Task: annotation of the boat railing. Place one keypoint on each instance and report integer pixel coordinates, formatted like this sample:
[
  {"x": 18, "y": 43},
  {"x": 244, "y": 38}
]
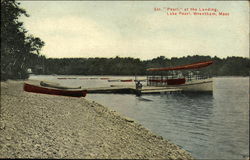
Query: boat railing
[
  {"x": 197, "y": 77},
  {"x": 162, "y": 80}
]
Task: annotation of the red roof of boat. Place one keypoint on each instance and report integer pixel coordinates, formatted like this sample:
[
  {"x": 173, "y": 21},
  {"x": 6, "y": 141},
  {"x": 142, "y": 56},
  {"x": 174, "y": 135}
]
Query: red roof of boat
[{"x": 189, "y": 66}]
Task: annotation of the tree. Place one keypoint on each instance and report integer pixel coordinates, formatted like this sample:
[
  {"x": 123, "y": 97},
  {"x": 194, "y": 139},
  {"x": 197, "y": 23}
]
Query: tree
[{"x": 16, "y": 46}]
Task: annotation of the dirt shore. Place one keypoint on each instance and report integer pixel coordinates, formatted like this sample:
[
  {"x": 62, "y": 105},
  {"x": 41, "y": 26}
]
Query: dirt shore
[{"x": 46, "y": 126}]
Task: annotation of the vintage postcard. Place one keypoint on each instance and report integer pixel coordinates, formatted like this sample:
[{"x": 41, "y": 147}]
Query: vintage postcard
[{"x": 125, "y": 79}]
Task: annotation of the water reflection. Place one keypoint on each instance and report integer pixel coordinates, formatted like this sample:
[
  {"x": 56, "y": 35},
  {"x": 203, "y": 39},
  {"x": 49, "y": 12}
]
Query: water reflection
[
  {"x": 189, "y": 115},
  {"x": 191, "y": 106}
]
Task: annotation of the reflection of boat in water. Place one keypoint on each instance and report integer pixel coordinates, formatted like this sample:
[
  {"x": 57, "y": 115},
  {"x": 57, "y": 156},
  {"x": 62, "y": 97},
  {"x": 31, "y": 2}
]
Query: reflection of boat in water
[
  {"x": 53, "y": 89},
  {"x": 189, "y": 83},
  {"x": 144, "y": 99}
]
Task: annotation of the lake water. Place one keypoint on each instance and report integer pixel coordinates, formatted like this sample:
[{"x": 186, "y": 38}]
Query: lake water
[{"x": 209, "y": 126}]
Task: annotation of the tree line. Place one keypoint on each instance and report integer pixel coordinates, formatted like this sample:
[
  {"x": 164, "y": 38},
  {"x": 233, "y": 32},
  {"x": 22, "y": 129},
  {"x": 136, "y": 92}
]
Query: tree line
[{"x": 230, "y": 66}]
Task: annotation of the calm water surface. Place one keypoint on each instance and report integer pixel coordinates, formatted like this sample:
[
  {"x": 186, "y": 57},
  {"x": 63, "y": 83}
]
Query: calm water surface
[{"x": 209, "y": 126}]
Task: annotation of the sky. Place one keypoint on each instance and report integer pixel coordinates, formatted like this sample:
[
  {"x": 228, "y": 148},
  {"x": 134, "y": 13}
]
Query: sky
[{"x": 139, "y": 29}]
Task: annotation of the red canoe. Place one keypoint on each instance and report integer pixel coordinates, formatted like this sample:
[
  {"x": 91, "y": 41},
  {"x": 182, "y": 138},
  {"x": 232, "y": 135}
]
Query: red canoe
[
  {"x": 127, "y": 80},
  {"x": 53, "y": 91}
]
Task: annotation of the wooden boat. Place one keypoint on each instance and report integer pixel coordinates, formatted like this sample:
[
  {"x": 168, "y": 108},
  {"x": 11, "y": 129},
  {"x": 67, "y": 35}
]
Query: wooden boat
[
  {"x": 113, "y": 80},
  {"x": 64, "y": 91},
  {"x": 126, "y": 80},
  {"x": 186, "y": 84},
  {"x": 56, "y": 85}
]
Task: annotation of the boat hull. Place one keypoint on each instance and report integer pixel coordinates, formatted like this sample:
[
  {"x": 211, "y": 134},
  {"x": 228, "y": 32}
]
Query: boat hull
[
  {"x": 46, "y": 90},
  {"x": 197, "y": 86},
  {"x": 204, "y": 85}
]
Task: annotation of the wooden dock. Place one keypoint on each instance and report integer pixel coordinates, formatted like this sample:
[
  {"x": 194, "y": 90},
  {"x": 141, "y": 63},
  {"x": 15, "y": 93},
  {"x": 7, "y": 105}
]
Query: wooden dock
[{"x": 132, "y": 90}]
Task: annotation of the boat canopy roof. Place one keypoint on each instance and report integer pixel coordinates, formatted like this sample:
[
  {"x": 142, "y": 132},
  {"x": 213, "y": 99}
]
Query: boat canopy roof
[{"x": 189, "y": 66}]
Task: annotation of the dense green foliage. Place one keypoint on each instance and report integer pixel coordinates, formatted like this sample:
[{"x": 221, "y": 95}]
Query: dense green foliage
[
  {"x": 18, "y": 49},
  {"x": 230, "y": 66}
]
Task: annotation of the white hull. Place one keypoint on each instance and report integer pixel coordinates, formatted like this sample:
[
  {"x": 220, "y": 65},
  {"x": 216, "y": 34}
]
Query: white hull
[{"x": 205, "y": 85}]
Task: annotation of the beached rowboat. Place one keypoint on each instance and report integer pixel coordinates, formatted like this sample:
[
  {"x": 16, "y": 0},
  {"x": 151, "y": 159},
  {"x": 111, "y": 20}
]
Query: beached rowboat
[
  {"x": 126, "y": 80},
  {"x": 37, "y": 88}
]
